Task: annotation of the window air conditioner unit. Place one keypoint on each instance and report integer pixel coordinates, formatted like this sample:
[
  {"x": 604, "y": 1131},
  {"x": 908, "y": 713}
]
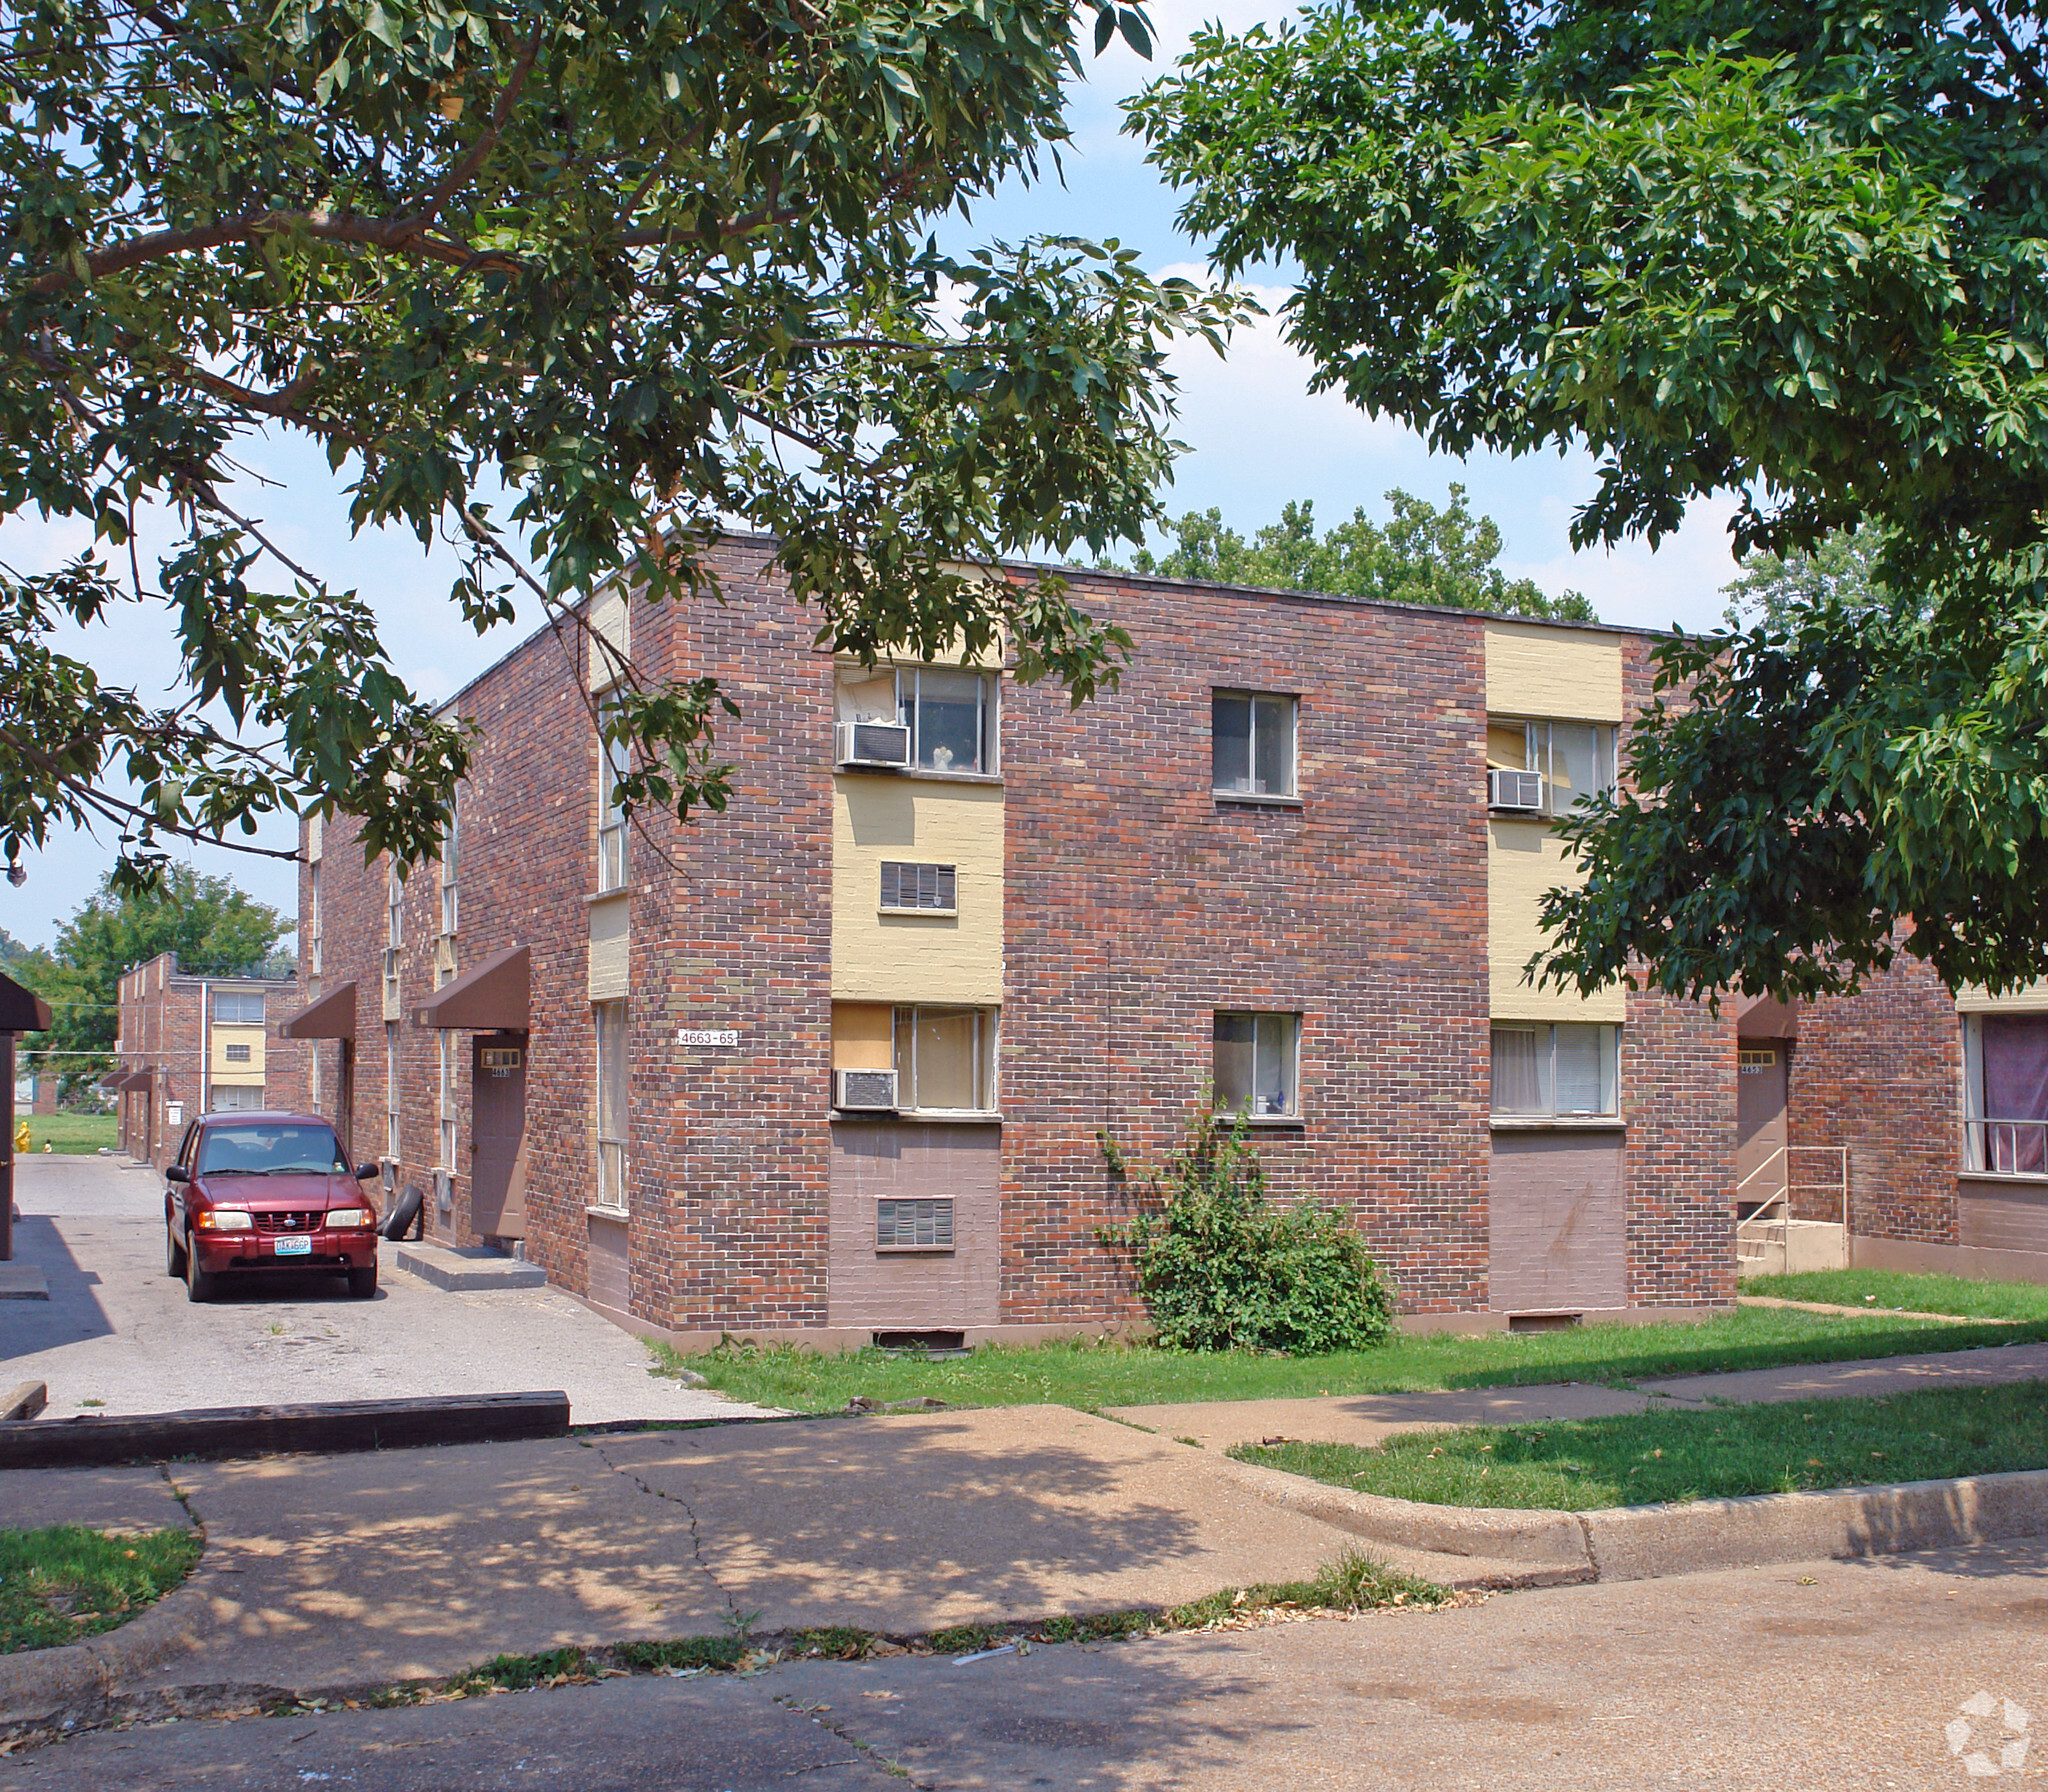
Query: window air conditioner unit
[
  {"x": 874, "y": 743},
  {"x": 1518, "y": 792},
  {"x": 865, "y": 1091}
]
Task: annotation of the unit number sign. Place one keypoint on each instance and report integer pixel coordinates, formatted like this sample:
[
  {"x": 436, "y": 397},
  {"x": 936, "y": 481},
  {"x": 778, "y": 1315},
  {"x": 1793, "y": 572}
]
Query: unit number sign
[
  {"x": 707, "y": 1036},
  {"x": 501, "y": 1060}
]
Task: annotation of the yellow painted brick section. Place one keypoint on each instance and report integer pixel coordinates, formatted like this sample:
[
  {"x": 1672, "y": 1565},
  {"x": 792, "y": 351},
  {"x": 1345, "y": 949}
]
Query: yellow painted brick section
[
  {"x": 222, "y": 1070},
  {"x": 1553, "y": 674},
  {"x": 916, "y": 958},
  {"x": 1523, "y": 860}
]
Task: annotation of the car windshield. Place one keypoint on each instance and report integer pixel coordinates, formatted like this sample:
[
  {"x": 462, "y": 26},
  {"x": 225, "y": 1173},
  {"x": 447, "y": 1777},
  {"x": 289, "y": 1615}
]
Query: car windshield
[{"x": 270, "y": 1148}]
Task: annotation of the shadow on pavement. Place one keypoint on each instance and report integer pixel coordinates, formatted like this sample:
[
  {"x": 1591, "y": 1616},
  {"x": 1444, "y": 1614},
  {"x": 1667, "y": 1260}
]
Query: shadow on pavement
[{"x": 73, "y": 1310}]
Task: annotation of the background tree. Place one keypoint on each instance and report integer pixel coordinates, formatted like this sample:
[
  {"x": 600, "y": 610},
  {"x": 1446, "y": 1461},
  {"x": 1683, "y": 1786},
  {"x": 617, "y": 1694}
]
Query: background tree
[
  {"x": 213, "y": 927},
  {"x": 1789, "y": 252},
  {"x": 645, "y": 267},
  {"x": 1777, "y": 589},
  {"x": 1422, "y": 555},
  {"x": 11, "y": 949}
]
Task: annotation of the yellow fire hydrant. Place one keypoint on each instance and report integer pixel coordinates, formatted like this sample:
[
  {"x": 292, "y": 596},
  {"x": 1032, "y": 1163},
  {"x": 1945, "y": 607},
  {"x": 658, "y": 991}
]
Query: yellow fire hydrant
[{"x": 20, "y": 1137}]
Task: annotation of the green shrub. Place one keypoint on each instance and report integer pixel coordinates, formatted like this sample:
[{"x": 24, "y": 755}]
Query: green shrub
[{"x": 1221, "y": 1268}]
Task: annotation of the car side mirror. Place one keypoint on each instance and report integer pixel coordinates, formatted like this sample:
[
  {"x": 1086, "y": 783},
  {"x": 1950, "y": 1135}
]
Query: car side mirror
[
  {"x": 365, "y": 1171},
  {"x": 177, "y": 1173}
]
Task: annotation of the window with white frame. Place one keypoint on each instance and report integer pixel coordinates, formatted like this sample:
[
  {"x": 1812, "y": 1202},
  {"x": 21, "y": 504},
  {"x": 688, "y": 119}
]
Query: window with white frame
[
  {"x": 450, "y": 848},
  {"x": 1571, "y": 760},
  {"x": 1256, "y": 1065},
  {"x": 1565, "y": 1070},
  {"x": 235, "y": 1054},
  {"x": 1252, "y": 744},
  {"x": 946, "y": 1060},
  {"x": 446, "y": 1160},
  {"x": 315, "y": 937},
  {"x": 394, "y": 929},
  {"x": 935, "y": 718},
  {"x": 612, "y": 1083},
  {"x": 238, "y": 1007},
  {"x": 391, "y": 1090},
  {"x": 614, "y": 760},
  {"x": 2005, "y": 1094},
  {"x": 232, "y": 1098}
]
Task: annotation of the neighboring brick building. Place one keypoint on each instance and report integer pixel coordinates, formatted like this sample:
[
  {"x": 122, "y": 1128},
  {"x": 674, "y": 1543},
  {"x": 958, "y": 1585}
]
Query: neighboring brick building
[
  {"x": 193, "y": 1043},
  {"x": 659, "y": 1061}
]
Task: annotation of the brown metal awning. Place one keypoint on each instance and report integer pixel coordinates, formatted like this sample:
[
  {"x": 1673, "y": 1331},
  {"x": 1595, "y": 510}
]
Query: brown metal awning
[
  {"x": 492, "y": 997},
  {"x": 1765, "y": 1017},
  {"x": 131, "y": 1080},
  {"x": 332, "y": 1016},
  {"x": 21, "y": 1010}
]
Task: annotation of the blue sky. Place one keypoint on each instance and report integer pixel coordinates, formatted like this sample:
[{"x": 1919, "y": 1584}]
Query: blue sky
[{"x": 1256, "y": 435}]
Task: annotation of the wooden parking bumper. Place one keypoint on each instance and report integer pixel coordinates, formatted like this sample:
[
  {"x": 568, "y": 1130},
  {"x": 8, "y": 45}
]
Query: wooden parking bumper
[{"x": 326, "y": 1428}]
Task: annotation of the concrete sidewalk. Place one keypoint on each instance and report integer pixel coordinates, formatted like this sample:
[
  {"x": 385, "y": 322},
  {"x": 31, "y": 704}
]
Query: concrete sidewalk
[
  {"x": 352, "y": 1571},
  {"x": 1370, "y": 1418}
]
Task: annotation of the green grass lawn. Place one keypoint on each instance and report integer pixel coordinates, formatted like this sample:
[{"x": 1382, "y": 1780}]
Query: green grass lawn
[
  {"x": 64, "y": 1583},
  {"x": 1880, "y": 1288},
  {"x": 1092, "y": 1375},
  {"x": 76, "y": 1134},
  {"x": 1581, "y": 1464}
]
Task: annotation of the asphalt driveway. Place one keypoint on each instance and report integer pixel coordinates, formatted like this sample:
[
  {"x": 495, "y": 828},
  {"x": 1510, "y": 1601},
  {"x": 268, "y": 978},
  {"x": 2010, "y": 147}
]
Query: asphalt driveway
[{"x": 118, "y": 1336}]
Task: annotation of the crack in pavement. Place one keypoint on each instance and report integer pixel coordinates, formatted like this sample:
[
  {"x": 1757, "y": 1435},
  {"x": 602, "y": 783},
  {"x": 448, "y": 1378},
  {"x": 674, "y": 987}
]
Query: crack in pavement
[
  {"x": 869, "y": 1754},
  {"x": 737, "y": 1621}
]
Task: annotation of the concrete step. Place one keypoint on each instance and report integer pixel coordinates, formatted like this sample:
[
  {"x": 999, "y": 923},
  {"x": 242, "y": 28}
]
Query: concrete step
[{"x": 467, "y": 1269}]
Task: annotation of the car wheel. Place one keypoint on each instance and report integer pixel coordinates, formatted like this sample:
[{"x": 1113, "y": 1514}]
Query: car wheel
[
  {"x": 199, "y": 1286},
  {"x": 362, "y": 1283},
  {"x": 174, "y": 1254}
]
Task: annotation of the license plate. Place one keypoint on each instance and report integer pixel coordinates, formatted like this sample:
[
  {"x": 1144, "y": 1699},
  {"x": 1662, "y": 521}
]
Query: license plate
[{"x": 292, "y": 1247}]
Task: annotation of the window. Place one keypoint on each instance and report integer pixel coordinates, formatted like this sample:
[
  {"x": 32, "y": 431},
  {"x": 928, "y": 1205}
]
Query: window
[
  {"x": 610, "y": 1018},
  {"x": 917, "y": 886},
  {"x": 236, "y": 1054},
  {"x": 913, "y": 1225},
  {"x": 391, "y": 1090},
  {"x": 313, "y": 924},
  {"x": 1574, "y": 759},
  {"x": 2005, "y": 1093},
  {"x": 238, "y": 1008},
  {"x": 945, "y": 1060},
  {"x": 394, "y": 933},
  {"x": 227, "y": 1098},
  {"x": 1256, "y": 1065},
  {"x": 1569, "y": 1069},
  {"x": 613, "y": 762},
  {"x": 1252, "y": 744},
  {"x": 447, "y": 1103},
  {"x": 450, "y": 845},
  {"x": 949, "y": 714}
]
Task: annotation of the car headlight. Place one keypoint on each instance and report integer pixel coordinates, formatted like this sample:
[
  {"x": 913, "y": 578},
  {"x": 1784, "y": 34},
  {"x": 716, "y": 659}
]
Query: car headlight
[
  {"x": 349, "y": 1216},
  {"x": 223, "y": 1219}
]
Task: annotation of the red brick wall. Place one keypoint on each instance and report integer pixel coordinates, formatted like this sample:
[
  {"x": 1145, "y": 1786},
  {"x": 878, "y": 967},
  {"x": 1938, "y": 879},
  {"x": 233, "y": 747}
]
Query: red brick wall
[
  {"x": 1137, "y": 905},
  {"x": 1678, "y": 1087},
  {"x": 1881, "y": 1072}
]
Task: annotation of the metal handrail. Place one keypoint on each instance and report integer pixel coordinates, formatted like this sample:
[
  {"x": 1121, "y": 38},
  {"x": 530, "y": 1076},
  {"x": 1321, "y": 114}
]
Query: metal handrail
[{"x": 1782, "y": 1197}]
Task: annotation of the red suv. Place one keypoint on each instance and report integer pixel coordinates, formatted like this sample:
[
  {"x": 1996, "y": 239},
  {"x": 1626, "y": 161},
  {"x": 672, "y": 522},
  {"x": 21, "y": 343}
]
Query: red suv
[{"x": 266, "y": 1191}]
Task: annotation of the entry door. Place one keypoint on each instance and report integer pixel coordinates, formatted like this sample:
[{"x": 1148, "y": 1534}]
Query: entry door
[
  {"x": 1760, "y": 1158},
  {"x": 345, "y": 1098},
  {"x": 497, "y": 1136}
]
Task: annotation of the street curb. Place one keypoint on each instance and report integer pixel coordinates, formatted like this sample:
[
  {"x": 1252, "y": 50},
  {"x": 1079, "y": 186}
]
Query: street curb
[
  {"x": 51, "y": 1689},
  {"x": 1624, "y": 1543}
]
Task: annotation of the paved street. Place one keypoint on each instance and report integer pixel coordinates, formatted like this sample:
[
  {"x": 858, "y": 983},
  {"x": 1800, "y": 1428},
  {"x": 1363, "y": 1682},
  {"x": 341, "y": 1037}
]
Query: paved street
[
  {"x": 118, "y": 1333},
  {"x": 1831, "y": 1675}
]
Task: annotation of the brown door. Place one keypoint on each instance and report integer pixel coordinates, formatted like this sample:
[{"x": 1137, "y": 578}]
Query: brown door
[
  {"x": 497, "y": 1136},
  {"x": 345, "y": 1097},
  {"x": 1760, "y": 1086}
]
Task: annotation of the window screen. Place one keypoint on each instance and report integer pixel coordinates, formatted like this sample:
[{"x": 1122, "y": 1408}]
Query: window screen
[
  {"x": 238, "y": 1008},
  {"x": 1253, "y": 744},
  {"x": 917, "y": 886},
  {"x": 237, "y": 1054},
  {"x": 913, "y": 1225},
  {"x": 1255, "y": 1060}
]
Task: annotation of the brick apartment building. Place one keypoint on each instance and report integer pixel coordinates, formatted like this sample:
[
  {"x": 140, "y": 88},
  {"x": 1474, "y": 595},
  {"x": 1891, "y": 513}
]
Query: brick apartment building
[
  {"x": 191, "y": 1044},
  {"x": 841, "y": 1061}
]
